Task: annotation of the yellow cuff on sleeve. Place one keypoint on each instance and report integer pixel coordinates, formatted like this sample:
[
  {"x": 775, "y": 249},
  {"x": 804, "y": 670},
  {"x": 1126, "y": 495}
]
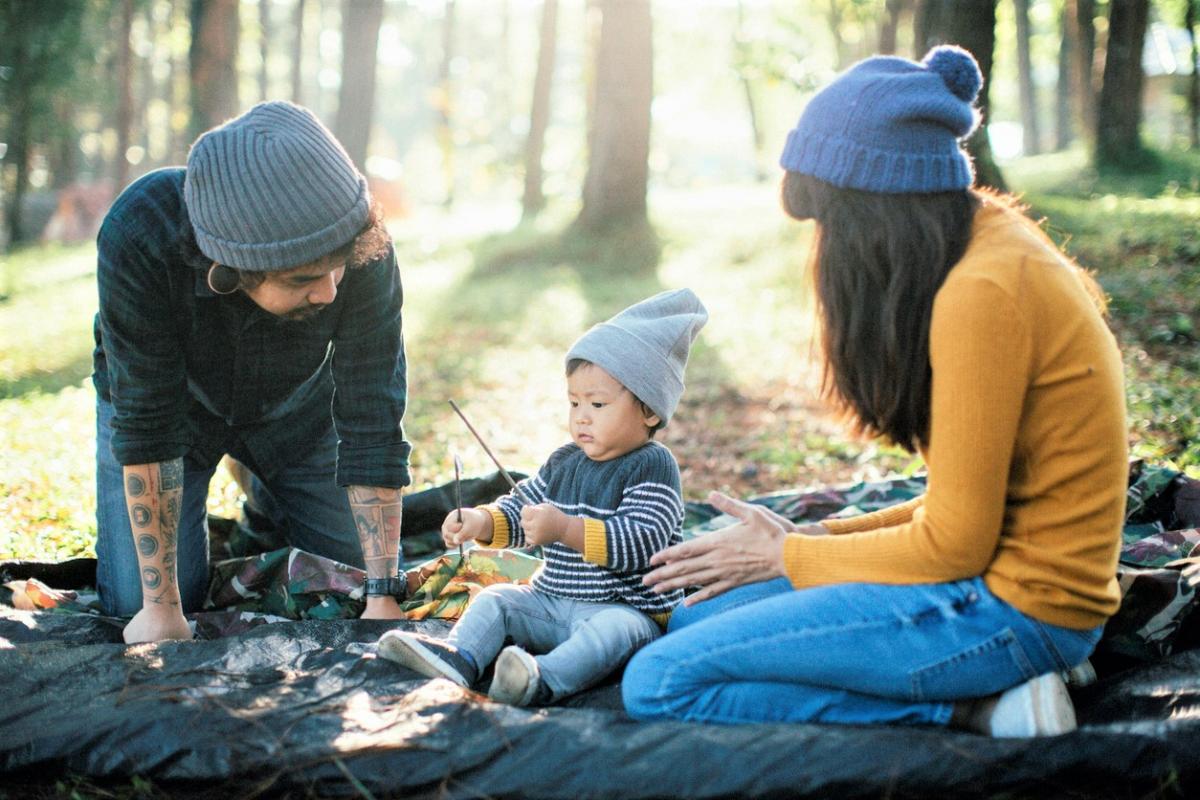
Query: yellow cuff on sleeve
[
  {"x": 501, "y": 535},
  {"x": 595, "y": 542}
]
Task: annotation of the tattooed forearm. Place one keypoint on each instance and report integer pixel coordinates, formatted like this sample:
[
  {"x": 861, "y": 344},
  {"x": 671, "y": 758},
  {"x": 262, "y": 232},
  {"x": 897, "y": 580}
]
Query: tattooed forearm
[
  {"x": 377, "y": 515},
  {"x": 154, "y": 496}
]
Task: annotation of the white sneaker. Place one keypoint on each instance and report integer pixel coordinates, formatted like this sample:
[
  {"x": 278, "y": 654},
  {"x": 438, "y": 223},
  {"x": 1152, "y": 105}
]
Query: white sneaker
[
  {"x": 1082, "y": 674},
  {"x": 516, "y": 677},
  {"x": 1040, "y": 707}
]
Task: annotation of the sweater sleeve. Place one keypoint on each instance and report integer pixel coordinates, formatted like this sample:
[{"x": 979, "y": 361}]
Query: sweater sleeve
[
  {"x": 981, "y": 356},
  {"x": 506, "y": 511},
  {"x": 649, "y": 515},
  {"x": 883, "y": 518}
]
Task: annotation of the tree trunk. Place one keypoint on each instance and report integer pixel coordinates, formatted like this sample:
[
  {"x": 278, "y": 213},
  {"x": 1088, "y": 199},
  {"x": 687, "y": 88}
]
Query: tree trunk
[
  {"x": 1189, "y": 22},
  {"x": 124, "y": 94},
  {"x": 890, "y": 25},
  {"x": 533, "y": 199},
  {"x": 756, "y": 134},
  {"x": 834, "y": 14},
  {"x": 213, "y": 58},
  {"x": 18, "y": 151},
  {"x": 1085, "y": 70},
  {"x": 298, "y": 51},
  {"x": 361, "y": 20},
  {"x": 1063, "y": 130},
  {"x": 442, "y": 104},
  {"x": 64, "y": 146},
  {"x": 970, "y": 24},
  {"x": 1119, "y": 112},
  {"x": 614, "y": 191},
  {"x": 177, "y": 101},
  {"x": 264, "y": 39},
  {"x": 1029, "y": 111}
]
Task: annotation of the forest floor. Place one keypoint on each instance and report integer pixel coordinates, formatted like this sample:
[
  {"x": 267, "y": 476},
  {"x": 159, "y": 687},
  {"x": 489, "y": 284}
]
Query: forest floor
[{"x": 490, "y": 308}]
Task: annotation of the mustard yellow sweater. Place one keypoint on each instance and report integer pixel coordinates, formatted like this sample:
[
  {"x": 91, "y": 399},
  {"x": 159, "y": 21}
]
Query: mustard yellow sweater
[{"x": 1027, "y": 452}]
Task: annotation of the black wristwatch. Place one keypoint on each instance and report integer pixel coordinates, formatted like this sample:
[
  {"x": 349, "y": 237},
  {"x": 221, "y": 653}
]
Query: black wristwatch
[{"x": 396, "y": 587}]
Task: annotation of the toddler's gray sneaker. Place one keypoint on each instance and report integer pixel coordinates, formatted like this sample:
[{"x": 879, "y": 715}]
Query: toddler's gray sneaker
[{"x": 517, "y": 679}]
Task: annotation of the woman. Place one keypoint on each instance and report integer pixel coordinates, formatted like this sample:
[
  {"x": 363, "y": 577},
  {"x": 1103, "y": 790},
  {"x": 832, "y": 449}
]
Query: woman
[{"x": 952, "y": 326}]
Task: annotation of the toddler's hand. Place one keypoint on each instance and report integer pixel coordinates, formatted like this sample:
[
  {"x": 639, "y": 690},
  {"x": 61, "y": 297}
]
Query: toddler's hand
[
  {"x": 476, "y": 524},
  {"x": 543, "y": 523}
]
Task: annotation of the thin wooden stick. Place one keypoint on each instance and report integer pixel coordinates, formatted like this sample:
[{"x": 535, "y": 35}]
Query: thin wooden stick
[
  {"x": 458, "y": 497},
  {"x": 524, "y": 497}
]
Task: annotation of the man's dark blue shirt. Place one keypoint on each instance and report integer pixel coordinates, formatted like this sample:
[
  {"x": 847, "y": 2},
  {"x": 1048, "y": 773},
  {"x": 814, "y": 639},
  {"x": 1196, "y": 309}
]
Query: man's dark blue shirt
[{"x": 197, "y": 374}]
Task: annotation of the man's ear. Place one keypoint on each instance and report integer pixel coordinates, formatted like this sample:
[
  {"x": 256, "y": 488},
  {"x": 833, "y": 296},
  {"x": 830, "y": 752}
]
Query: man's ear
[{"x": 651, "y": 420}]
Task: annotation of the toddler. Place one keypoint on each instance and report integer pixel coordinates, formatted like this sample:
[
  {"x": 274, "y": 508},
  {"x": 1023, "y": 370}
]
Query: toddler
[{"x": 603, "y": 504}]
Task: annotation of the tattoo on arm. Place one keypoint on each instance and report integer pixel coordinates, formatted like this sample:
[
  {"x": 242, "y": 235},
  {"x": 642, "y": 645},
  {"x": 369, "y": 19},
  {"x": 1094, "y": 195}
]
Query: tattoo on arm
[
  {"x": 377, "y": 514},
  {"x": 171, "y": 474},
  {"x": 140, "y": 514},
  {"x": 154, "y": 494}
]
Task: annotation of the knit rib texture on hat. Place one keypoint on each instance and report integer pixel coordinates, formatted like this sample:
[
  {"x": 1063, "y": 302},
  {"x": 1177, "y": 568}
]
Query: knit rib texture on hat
[
  {"x": 273, "y": 189},
  {"x": 646, "y": 347},
  {"x": 891, "y": 125}
]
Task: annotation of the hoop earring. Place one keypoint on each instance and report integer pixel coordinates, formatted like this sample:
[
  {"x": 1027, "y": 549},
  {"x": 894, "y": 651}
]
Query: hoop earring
[{"x": 222, "y": 279}]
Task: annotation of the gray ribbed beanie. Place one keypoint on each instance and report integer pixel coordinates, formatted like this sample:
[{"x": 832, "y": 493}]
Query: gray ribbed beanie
[
  {"x": 272, "y": 189},
  {"x": 646, "y": 346}
]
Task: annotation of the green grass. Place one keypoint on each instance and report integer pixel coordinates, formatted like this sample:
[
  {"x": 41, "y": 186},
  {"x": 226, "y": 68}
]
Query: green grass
[
  {"x": 489, "y": 311},
  {"x": 1138, "y": 232}
]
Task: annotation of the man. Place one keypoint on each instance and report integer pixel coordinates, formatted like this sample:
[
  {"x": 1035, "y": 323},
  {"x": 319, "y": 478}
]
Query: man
[{"x": 241, "y": 299}]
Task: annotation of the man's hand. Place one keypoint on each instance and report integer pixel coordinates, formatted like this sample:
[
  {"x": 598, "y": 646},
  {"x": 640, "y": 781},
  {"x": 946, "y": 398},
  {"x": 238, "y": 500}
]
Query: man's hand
[
  {"x": 155, "y": 623},
  {"x": 476, "y": 525},
  {"x": 382, "y": 607},
  {"x": 543, "y": 524}
]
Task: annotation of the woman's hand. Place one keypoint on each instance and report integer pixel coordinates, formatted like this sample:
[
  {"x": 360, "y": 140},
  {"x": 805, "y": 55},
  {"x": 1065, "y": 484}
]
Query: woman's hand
[{"x": 748, "y": 552}]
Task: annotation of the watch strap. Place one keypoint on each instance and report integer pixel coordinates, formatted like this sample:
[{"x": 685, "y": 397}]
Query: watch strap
[{"x": 396, "y": 586}]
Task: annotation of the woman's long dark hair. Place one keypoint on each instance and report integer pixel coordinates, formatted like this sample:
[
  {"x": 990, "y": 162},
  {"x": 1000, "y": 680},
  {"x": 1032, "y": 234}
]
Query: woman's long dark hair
[{"x": 878, "y": 260}]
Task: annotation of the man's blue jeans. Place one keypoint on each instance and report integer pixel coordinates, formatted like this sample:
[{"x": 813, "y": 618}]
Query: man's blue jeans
[
  {"x": 850, "y": 653},
  {"x": 301, "y": 500}
]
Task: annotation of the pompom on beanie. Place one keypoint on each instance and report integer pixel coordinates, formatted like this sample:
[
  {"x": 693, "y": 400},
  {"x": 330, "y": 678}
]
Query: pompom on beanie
[
  {"x": 891, "y": 125},
  {"x": 273, "y": 189},
  {"x": 646, "y": 347}
]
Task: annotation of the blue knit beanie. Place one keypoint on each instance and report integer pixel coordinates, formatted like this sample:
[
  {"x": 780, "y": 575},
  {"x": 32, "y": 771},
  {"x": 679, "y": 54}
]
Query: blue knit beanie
[
  {"x": 646, "y": 347},
  {"x": 891, "y": 125},
  {"x": 272, "y": 189}
]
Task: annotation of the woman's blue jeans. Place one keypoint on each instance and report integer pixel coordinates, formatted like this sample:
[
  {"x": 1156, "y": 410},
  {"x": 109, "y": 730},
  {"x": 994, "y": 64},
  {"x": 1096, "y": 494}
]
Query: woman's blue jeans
[
  {"x": 849, "y": 653},
  {"x": 302, "y": 501}
]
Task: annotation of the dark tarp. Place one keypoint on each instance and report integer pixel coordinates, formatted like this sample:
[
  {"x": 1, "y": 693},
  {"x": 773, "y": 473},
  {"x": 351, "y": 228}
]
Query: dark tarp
[{"x": 304, "y": 707}]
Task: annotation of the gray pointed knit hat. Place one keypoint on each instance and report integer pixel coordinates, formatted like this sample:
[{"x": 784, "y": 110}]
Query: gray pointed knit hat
[
  {"x": 646, "y": 347},
  {"x": 273, "y": 189}
]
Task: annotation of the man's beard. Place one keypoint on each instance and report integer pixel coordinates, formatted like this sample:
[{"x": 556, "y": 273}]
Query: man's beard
[{"x": 306, "y": 311}]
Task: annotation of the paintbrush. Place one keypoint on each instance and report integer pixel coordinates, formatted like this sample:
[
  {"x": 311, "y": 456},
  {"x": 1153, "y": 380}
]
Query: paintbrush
[
  {"x": 524, "y": 497},
  {"x": 458, "y": 497}
]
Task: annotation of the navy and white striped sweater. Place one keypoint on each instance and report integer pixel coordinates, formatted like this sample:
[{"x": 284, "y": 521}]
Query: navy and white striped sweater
[{"x": 632, "y": 507}]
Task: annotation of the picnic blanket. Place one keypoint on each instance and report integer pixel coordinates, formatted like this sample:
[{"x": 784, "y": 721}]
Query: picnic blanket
[{"x": 281, "y": 690}]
